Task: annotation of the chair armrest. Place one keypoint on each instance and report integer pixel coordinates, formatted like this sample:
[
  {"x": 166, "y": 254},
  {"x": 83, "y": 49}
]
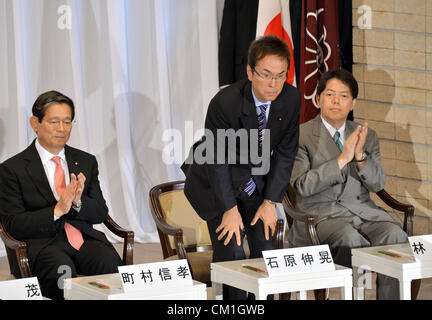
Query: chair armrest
[
  {"x": 177, "y": 233},
  {"x": 308, "y": 220},
  {"x": 407, "y": 209},
  {"x": 279, "y": 233},
  {"x": 291, "y": 212},
  {"x": 179, "y": 244},
  {"x": 165, "y": 229},
  {"x": 20, "y": 249},
  {"x": 394, "y": 204},
  {"x": 169, "y": 230},
  {"x": 9, "y": 241},
  {"x": 298, "y": 215},
  {"x": 127, "y": 235},
  {"x": 116, "y": 229}
]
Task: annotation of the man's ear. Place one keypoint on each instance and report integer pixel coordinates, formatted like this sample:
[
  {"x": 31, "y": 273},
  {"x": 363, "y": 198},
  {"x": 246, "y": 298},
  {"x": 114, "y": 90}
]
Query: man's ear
[
  {"x": 317, "y": 100},
  {"x": 353, "y": 104},
  {"x": 34, "y": 123},
  {"x": 249, "y": 72}
]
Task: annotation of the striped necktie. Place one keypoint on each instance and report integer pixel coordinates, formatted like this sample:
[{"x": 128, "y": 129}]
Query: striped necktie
[
  {"x": 337, "y": 140},
  {"x": 262, "y": 122}
]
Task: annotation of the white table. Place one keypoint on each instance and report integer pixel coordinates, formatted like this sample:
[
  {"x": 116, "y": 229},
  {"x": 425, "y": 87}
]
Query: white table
[
  {"x": 404, "y": 268},
  {"x": 233, "y": 274},
  {"x": 80, "y": 289}
]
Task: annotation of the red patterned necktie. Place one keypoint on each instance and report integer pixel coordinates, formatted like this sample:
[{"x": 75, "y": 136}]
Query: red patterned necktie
[{"x": 74, "y": 236}]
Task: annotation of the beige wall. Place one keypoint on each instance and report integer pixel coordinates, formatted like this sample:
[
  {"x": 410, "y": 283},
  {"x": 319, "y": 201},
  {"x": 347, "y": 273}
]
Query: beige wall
[{"x": 393, "y": 64}]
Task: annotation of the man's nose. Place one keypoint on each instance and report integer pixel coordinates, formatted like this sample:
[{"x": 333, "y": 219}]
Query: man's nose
[
  {"x": 272, "y": 82},
  {"x": 61, "y": 126},
  {"x": 336, "y": 99}
]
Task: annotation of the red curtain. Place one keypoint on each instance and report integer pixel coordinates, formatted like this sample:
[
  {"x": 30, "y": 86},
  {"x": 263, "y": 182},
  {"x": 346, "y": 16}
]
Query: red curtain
[{"x": 319, "y": 50}]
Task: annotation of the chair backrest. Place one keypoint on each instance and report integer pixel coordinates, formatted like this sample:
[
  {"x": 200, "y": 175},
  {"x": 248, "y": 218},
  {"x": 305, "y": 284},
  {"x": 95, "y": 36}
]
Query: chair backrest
[{"x": 170, "y": 205}]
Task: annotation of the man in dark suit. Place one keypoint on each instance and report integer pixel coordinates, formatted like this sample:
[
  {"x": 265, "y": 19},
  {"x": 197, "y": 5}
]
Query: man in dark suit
[
  {"x": 50, "y": 198},
  {"x": 236, "y": 193}
]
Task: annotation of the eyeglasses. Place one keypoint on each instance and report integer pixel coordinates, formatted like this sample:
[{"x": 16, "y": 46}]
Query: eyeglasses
[
  {"x": 270, "y": 77},
  {"x": 56, "y": 123}
]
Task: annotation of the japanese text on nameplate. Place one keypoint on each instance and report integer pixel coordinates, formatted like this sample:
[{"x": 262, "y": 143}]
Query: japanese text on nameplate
[
  {"x": 421, "y": 247},
  {"x": 158, "y": 274},
  {"x": 298, "y": 260},
  {"x": 20, "y": 289}
]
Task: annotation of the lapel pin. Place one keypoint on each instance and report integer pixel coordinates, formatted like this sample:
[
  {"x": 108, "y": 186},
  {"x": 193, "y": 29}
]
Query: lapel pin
[
  {"x": 76, "y": 163},
  {"x": 280, "y": 118}
]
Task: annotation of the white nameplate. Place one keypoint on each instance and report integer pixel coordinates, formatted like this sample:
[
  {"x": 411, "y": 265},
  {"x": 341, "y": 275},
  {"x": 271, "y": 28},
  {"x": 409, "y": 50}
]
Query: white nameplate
[
  {"x": 421, "y": 247},
  {"x": 159, "y": 274},
  {"x": 20, "y": 289},
  {"x": 298, "y": 260}
]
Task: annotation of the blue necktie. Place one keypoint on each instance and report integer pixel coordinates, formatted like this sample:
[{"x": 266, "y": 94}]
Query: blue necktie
[
  {"x": 250, "y": 186},
  {"x": 337, "y": 140}
]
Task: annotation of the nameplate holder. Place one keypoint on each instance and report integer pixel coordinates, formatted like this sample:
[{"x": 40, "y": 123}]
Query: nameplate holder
[
  {"x": 421, "y": 247},
  {"x": 20, "y": 289},
  {"x": 298, "y": 260},
  {"x": 139, "y": 277}
]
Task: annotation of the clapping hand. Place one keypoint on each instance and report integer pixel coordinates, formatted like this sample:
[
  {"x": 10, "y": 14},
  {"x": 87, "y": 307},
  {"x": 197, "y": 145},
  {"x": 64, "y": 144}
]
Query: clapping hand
[
  {"x": 71, "y": 194},
  {"x": 353, "y": 146},
  {"x": 79, "y": 187}
]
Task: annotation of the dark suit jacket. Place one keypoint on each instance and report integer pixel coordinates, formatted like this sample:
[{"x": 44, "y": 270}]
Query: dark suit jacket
[
  {"x": 213, "y": 189},
  {"x": 27, "y": 201}
]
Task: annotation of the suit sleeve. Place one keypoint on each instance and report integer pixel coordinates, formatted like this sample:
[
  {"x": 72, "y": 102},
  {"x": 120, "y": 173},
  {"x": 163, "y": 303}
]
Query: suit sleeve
[
  {"x": 219, "y": 175},
  {"x": 283, "y": 157},
  {"x": 372, "y": 175},
  {"x": 308, "y": 181},
  {"x": 93, "y": 209},
  {"x": 21, "y": 223}
]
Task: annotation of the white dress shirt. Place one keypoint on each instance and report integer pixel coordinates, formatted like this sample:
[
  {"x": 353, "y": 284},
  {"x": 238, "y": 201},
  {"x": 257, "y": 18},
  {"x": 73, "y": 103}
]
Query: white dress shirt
[
  {"x": 258, "y": 103},
  {"x": 332, "y": 130},
  {"x": 50, "y": 166}
]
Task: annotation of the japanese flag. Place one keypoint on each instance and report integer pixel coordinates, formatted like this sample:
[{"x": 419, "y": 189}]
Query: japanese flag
[{"x": 274, "y": 19}]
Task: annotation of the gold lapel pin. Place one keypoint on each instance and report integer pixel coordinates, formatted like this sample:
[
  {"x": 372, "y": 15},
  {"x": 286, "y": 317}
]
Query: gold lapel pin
[{"x": 280, "y": 118}]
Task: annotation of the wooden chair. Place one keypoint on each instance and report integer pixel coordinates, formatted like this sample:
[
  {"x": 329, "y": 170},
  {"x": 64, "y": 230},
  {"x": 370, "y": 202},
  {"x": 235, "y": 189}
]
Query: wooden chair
[
  {"x": 20, "y": 248},
  {"x": 309, "y": 221},
  {"x": 182, "y": 233}
]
